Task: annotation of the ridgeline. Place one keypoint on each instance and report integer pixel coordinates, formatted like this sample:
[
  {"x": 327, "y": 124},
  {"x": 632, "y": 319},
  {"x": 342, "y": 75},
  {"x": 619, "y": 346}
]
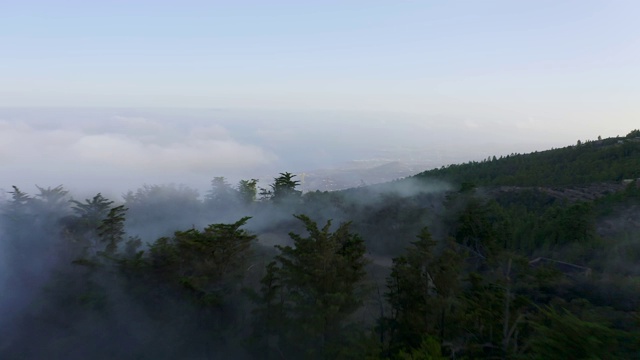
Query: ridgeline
[{"x": 612, "y": 159}]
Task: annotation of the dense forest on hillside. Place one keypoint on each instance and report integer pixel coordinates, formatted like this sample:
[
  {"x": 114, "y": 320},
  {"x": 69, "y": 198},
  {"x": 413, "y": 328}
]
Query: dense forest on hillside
[
  {"x": 612, "y": 159},
  {"x": 532, "y": 256}
]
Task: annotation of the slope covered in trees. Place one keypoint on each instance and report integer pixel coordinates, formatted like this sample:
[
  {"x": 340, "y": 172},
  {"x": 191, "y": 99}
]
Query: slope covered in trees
[
  {"x": 613, "y": 159},
  {"x": 414, "y": 269}
]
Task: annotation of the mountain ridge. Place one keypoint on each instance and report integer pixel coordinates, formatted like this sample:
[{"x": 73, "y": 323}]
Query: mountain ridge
[{"x": 614, "y": 159}]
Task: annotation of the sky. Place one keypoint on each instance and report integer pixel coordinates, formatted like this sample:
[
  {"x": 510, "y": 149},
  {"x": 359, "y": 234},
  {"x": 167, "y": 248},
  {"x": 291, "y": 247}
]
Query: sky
[{"x": 239, "y": 86}]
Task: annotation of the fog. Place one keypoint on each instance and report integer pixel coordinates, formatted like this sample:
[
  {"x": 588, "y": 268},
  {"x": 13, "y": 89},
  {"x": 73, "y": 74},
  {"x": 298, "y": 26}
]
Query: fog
[
  {"x": 115, "y": 150},
  {"x": 57, "y": 308},
  {"x": 67, "y": 296}
]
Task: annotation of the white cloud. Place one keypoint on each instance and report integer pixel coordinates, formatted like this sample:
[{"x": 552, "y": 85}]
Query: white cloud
[
  {"x": 471, "y": 124},
  {"x": 137, "y": 124},
  {"x": 141, "y": 149},
  {"x": 187, "y": 155},
  {"x": 278, "y": 135},
  {"x": 211, "y": 132},
  {"x": 121, "y": 149},
  {"x": 529, "y": 124}
]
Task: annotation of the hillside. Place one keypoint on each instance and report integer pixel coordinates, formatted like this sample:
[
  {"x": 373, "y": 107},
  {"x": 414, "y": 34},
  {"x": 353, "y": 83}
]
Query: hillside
[
  {"x": 496, "y": 259},
  {"x": 599, "y": 161}
]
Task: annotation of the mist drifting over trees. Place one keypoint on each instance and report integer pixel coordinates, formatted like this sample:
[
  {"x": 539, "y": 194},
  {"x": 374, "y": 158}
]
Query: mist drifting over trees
[
  {"x": 319, "y": 180},
  {"x": 425, "y": 267}
]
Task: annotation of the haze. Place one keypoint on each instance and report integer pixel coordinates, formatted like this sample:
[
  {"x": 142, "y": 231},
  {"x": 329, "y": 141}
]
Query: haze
[{"x": 116, "y": 94}]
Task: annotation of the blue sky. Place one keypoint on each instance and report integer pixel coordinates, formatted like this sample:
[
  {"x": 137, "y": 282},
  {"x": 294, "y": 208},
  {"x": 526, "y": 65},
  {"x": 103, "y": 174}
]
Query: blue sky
[
  {"x": 549, "y": 59},
  {"x": 534, "y": 70}
]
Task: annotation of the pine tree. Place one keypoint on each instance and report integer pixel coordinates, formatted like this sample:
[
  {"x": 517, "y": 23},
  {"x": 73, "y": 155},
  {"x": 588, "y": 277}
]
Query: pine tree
[
  {"x": 321, "y": 282},
  {"x": 206, "y": 263},
  {"x": 247, "y": 191},
  {"x": 111, "y": 231},
  {"x": 411, "y": 291},
  {"x": 221, "y": 194},
  {"x": 284, "y": 188},
  {"x": 90, "y": 213}
]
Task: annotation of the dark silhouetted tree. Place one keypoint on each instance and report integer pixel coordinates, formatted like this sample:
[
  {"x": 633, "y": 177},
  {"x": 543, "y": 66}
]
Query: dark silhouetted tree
[
  {"x": 207, "y": 263},
  {"x": 111, "y": 231},
  {"x": 315, "y": 285},
  {"x": 284, "y": 188},
  {"x": 221, "y": 195},
  {"x": 248, "y": 191}
]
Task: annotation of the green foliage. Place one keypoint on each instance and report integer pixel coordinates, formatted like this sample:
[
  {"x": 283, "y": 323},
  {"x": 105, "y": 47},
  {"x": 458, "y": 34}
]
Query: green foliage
[
  {"x": 19, "y": 200},
  {"x": 284, "y": 188},
  {"x": 205, "y": 263},
  {"x": 633, "y": 134},
  {"x": 411, "y": 290},
  {"x": 476, "y": 294},
  {"x": 221, "y": 194},
  {"x": 32, "y": 224},
  {"x": 483, "y": 228},
  {"x": 18, "y": 210},
  {"x": 92, "y": 211},
  {"x": 312, "y": 288},
  {"x": 162, "y": 205},
  {"x": 573, "y": 223},
  {"x": 423, "y": 292},
  {"x": 429, "y": 349},
  {"x": 559, "y": 334},
  {"x": 52, "y": 200},
  {"x": 247, "y": 190},
  {"x": 590, "y": 162},
  {"x": 111, "y": 231},
  {"x": 96, "y": 228}
]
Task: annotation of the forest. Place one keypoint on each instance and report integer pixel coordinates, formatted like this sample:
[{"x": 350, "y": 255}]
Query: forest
[{"x": 525, "y": 256}]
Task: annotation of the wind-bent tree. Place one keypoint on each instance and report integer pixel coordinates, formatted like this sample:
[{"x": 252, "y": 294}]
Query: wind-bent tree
[
  {"x": 52, "y": 200},
  {"x": 19, "y": 202},
  {"x": 91, "y": 212}
]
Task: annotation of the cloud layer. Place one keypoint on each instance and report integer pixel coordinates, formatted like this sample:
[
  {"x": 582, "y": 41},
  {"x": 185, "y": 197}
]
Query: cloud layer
[
  {"x": 135, "y": 148},
  {"x": 113, "y": 150}
]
